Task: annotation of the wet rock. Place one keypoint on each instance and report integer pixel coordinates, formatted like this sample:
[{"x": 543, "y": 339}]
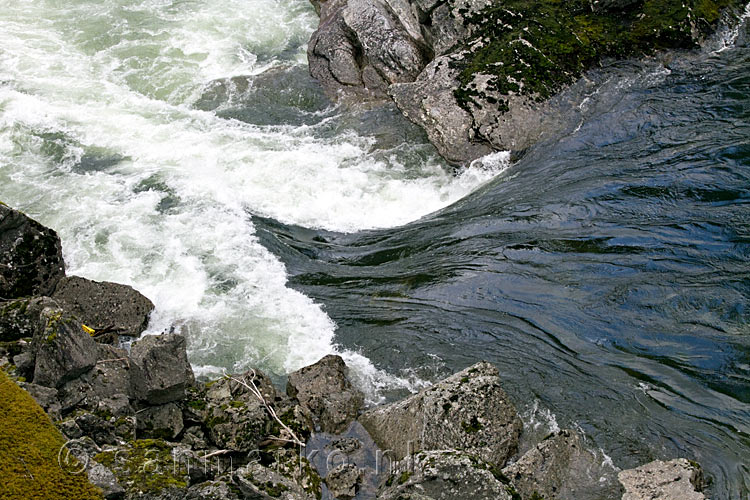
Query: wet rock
[
  {"x": 562, "y": 467},
  {"x": 163, "y": 421},
  {"x": 103, "y": 304},
  {"x": 677, "y": 479},
  {"x": 62, "y": 350},
  {"x": 326, "y": 394},
  {"x": 160, "y": 371},
  {"x": 343, "y": 481},
  {"x": 234, "y": 417},
  {"x": 31, "y": 261},
  {"x": 468, "y": 411},
  {"x": 443, "y": 475}
]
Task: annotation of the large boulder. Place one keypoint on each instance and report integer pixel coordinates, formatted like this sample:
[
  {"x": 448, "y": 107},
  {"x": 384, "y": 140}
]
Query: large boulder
[
  {"x": 468, "y": 411},
  {"x": 159, "y": 370},
  {"x": 562, "y": 467},
  {"x": 63, "y": 351},
  {"x": 103, "y": 304},
  {"x": 31, "y": 260},
  {"x": 108, "y": 379},
  {"x": 19, "y": 318},
  {"x": 444, "y": 475},
  {"x": 326, "y": 394},
  {"x": 677, "y": 479}
]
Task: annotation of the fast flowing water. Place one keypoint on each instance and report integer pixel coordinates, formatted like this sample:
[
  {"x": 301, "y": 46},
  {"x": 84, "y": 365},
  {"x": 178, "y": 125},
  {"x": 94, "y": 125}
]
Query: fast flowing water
[{"x": 180, "y": 147}]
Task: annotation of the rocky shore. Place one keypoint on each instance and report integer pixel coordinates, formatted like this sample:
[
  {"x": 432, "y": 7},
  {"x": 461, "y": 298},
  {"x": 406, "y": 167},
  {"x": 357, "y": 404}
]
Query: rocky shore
[
  {"x": 484, "y": 76},
  {"x": 141, "y": 426}
]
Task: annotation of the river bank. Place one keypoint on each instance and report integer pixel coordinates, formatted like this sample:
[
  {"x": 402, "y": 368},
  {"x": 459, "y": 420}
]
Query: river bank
[{"x": 140, "y": 426}]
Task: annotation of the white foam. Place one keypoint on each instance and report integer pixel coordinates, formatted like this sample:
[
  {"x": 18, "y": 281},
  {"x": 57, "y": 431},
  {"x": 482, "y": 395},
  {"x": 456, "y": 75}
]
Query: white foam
[{"x": 116, "y": 78}]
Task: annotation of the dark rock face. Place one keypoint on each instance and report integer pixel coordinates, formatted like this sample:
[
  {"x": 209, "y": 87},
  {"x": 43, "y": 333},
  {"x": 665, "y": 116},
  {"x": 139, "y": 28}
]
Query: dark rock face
[
  {"x": 103, "y": 304},
  {"x": 468, "y": 411},
  {"x": 343, "y": 481},
  {"x": 444, "y": 475},
  {"x": 325, "y": 393},
  {"x": 163, "y": 421},
  {"x": 677, "y": 479},
  {"x": 62, "y": 350},
  {"x": 562, "y": 468},
  {"x": 160, "y": 371},
  {"x": 31, "y": 261},
  {"x": 478, "y": 75},
  {"x": 20, "y": 318}
]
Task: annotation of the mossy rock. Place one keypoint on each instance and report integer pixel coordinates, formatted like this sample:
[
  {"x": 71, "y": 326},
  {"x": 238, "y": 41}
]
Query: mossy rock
[
  {"x": 30, "y": 447},
  {"x": 536, "y": 48},
  {"x": 144, "y": 465}
]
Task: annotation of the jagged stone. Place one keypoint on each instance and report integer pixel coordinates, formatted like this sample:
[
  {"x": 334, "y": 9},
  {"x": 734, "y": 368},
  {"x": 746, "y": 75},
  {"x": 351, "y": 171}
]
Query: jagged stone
[
  {"x": 103, "y": 304},
  {"x": 256, "y": 481},
  {"x": 468, "y": 411},
  {"x": 562, "y": 467},
  {"x": 326, "y": 394},
  {"x": 443, "y": 475},
  {"x": 677, "y": 479},
  {"x": 62, "y": 350},
  {"x": 343, "y": 481},
  {"x": 31, "y": 261},
  {"x": 109, "y": 378},
  {"x": 163, "y": 421},
  {"x": 160, "y": 371}
]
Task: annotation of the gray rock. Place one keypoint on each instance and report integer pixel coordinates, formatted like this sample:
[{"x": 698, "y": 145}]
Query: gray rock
[
  {"x": 20, "y": 318},
  {"x": 31, "y": 261},
  {"x": 343, "y": 481},
  {"x": 160, "y": 371},
  {"x": 442, "y": 475},
  {"x": 562, "y": 467},
  {"x": 24, "y": 363},
  {"x": 46, "y": 397},
  {"x": 62, "y": 350},
  {"x": 97, "y": 427},
  {"x": 468, "y": 411},
  {"x": 366, "y": 45},
  {"x": 70, "y": 428},
  {"x": 103, "y": 478},
  {"x": 107, "y": 380},
  {"x": 430, "y": 103},
  {"x": 219, "y": 489},
  {"x": 326, "y": 394},
  {"x": 163, "y": 421},
  {"x": 256, "y": 481},
  {"x": 677, "y": 479},
  {"x": 102, "y": 304},
  {"x": 234, "y": 417}
]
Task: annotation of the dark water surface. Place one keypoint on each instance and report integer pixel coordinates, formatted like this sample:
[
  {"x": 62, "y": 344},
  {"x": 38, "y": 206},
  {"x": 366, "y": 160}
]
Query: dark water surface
[{"x": 606, "y": 273}]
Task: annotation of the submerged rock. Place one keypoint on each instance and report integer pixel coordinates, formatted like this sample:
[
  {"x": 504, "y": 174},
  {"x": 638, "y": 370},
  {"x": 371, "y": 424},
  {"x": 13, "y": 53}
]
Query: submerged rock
[
  {"x": 160, "y": 371},
  {"x": 677, "y": 479},
  {"x": 468, "y": 411},
  {"x": 103, "y": 304},
  {"x": 31, "y": 261},
  {"x": 326, "y": 395}
]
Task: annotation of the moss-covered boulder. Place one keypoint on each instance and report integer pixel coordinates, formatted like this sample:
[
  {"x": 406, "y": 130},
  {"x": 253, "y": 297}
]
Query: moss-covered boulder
[
  {"x": 33, "y": 460},
  {"x": 31, "y": 261}
]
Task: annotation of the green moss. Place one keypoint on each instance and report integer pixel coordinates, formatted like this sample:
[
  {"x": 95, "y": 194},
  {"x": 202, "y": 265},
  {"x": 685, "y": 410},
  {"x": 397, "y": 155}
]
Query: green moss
[
  {"x": 536, "y": 48},
  {"x": 536, "y": 496},
  {"x": 472, "y": 426},
  {"x": 514, "y": 495},
  {"x": 197, "y": 404},
  {"x": 29, "y": 451},
  {"x": 236, "y": 404},
  {"x": 404, "y": 477},
  {"x": 144, "y": 465}
]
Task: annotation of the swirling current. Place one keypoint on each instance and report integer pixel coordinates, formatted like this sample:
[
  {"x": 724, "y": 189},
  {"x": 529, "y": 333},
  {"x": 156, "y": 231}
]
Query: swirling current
[{"x": 181, "y": 147}]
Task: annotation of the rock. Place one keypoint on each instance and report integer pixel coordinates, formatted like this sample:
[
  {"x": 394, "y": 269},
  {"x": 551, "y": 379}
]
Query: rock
[
  {"x": 104, "y": 479},
  {"x": 234, "y": 417},
  {"x": 562, "y": 467},
  {"x": 20, "y": 318},
  {"x": 430, "y": 103},
  {"x": 256, "y": 481},
  {"x": 62, "y": 350},
  {"x": 163, "y": 421},
  {"x": 443, "y": 475},
  {"x": 24, "y": 363},
  {"x": 96, "y": 427},
  {"x": 31, "y": 261},
  {"x": 347, "y": 445},
  {"x": 468, "y": 411},
  {"x": 160, "y": 371},
  {"x": 343, "y": 481},
  {"x": 108, "y": 380},
  {"x": 102, "y": 304},
  {"x": 220, "y": 489},
  {"x": 366, "y": 45},
  {"x": 677, "y": 479},
  {"x": 326, "y": 394}
]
